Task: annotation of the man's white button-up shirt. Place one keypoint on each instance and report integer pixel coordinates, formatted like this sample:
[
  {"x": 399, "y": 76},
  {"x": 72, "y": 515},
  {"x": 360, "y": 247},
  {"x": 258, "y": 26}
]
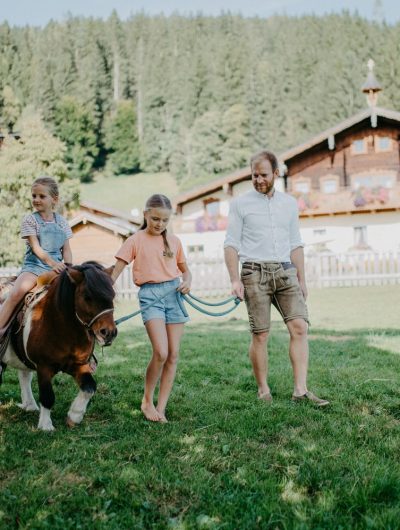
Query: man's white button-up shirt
[{"x": 261, "y": 228}]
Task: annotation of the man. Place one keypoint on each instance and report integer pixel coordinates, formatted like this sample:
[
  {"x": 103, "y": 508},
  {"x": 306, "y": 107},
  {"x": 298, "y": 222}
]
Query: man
[{"x": 263, "y": 233}]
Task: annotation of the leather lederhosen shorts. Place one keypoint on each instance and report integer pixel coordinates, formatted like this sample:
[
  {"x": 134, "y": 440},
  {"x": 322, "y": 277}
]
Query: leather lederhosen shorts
[{"x": 274, "y": 283}]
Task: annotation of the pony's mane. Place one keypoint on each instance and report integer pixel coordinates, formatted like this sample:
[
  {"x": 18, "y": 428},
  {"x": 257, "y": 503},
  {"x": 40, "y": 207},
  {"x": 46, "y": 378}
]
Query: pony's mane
[{"x": 98, "y": 285}]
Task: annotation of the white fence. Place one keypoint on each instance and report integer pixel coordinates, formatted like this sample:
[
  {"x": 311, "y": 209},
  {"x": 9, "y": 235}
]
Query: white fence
[
  {"x": 210, "y": 277},
  {"x": 353, "y": 269}
]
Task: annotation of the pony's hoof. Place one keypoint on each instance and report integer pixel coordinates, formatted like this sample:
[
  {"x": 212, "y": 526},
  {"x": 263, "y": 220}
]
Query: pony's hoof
[
  {"x": 28, "y": 407},
  {"x": 46, "y": 428},
  {"x": 71, "y": 424}
]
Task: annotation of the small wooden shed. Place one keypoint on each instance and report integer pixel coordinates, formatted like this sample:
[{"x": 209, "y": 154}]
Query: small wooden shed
[{"x": 98, "y": 238}]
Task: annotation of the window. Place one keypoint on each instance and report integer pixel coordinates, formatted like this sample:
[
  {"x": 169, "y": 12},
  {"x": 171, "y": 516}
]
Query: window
[
  {"x": 360, "y": 237},
  {"x": 319, "y": 232},
  {"x": 301, "y": 186},
  {"x": 212, "y": 207},
  {"x": 359, "y": 147},
  {"x": 383, "y": 144},
  {"x": 195, "y": 250},
  {"x": 329, "y": 184},
  {"x": 372, "y": 180}
]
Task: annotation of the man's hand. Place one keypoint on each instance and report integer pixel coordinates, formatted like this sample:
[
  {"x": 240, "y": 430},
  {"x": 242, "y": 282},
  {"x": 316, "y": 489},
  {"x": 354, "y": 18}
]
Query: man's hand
[
  {"x": 238, "y": 289},
  {"x": 303, "y": 288}
]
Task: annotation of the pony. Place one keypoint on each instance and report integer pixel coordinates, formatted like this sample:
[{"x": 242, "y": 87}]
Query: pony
[{"x": 57, "y": 333}]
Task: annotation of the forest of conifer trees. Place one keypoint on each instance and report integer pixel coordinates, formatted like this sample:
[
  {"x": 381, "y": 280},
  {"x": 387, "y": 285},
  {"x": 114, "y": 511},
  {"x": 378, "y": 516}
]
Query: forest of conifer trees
[{"x": 190, "y": 95}]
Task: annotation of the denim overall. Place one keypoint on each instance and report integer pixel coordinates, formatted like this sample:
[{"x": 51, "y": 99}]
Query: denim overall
[{"x": 51, "y": 238}]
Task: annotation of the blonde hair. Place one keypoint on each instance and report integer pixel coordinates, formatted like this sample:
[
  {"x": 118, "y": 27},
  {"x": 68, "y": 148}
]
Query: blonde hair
[
  {"x": 159, "y": 201},
  {"x": 51, "y": 185}
]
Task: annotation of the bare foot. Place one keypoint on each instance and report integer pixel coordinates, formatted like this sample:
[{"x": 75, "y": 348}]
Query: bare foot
[
  {"x": 163, "y": 418},
  {"x": 265, "y": 396},
  {"x": 150, "y": 411}
]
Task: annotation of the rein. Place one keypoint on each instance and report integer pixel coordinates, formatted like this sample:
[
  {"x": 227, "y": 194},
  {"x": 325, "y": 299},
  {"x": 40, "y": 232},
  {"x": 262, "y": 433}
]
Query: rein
[
  {"x": 88, "y": 328},
  {"x": 188, "y": 298}
]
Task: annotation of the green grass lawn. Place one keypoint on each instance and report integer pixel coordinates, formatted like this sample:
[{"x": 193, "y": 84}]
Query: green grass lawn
[
  {"x": 225, "y": 460},
  {"x": 125, "y": 192}
]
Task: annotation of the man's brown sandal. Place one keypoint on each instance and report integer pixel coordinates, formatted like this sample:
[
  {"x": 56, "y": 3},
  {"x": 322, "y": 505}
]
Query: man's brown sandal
[{"x": 309, "y": 396}]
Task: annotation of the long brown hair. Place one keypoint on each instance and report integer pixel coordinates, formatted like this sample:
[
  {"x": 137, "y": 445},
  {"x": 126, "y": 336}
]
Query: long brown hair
[{"x": 159, "y": 201}]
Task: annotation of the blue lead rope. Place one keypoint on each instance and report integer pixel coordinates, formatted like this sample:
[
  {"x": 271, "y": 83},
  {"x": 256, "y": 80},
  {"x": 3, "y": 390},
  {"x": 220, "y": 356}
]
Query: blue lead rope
[
  {"x": 236, "y": 301},
  {"x": 180, "y": 297}
]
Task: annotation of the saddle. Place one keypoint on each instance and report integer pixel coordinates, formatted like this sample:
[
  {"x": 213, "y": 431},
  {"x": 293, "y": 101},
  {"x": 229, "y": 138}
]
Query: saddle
[{"x": 42, "y": 284}]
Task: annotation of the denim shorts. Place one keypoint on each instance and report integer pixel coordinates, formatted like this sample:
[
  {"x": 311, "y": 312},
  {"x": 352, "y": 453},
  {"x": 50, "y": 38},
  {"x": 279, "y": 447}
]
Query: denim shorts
[
  {"x": 165, "y": 307},
  {"x": 271, "y": 283}
]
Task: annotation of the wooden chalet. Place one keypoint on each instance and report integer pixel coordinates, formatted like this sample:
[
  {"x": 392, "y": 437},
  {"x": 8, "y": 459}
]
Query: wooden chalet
[
  {"x": 99, "y": 232},
  {"x": 346, "y": 181}
]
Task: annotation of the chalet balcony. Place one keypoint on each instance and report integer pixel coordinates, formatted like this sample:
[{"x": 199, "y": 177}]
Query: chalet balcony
[
  {"x": 312, "y": 204},
  {"x": 203, "y": 223},
  {"x": 346, "y": 200}
]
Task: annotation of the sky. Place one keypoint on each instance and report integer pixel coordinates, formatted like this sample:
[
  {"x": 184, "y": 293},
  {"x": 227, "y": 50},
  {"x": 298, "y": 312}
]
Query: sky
[{"x": 39, "y": 12}]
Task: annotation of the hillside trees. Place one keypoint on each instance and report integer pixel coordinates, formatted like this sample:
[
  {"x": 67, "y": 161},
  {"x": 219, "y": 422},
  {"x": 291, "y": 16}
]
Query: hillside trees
[{"x": 260, "y": 82}]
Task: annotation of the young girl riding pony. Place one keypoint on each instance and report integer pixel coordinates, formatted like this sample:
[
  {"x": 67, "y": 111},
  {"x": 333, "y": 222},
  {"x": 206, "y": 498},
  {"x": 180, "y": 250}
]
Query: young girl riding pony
[
  {"x": 47, "y": 237},
  {"x": 158, "y": 264}
]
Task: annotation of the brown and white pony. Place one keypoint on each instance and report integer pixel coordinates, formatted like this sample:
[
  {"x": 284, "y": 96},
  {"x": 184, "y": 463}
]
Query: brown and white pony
[{"x": 58, "y": 334}]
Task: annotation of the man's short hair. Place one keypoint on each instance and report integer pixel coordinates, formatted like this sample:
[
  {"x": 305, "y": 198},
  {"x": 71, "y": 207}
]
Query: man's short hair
[{"x": 265, "y": 155}]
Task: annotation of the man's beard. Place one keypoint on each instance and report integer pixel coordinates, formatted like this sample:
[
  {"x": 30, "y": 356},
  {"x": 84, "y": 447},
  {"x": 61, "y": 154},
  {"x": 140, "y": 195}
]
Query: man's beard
[{"x": 264, "y": 188}]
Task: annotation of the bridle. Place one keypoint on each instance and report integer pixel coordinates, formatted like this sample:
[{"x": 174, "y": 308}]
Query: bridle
[{"x": 89, "y": 325}]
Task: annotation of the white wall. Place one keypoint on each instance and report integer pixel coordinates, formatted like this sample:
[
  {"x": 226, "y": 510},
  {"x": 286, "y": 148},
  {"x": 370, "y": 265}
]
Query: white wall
[
  {"x": 383, "y": 231},
  {"x": 213, "y": 242}
]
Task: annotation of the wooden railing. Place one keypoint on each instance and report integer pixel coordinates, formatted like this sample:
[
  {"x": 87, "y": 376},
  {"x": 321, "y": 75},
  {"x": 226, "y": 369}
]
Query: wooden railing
[
  {"x": 313, "y": 203},
  {"x": 348, "y": 200}
]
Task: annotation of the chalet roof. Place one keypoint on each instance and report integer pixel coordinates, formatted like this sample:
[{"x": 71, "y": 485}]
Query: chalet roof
[
  {"x": 105, "y": 211},
  {"x": 215, "y": 185},
  {"x": 118, "y": 228},
  {"x": 369, "y": 113},
  {"x": 372, "y": 114}
]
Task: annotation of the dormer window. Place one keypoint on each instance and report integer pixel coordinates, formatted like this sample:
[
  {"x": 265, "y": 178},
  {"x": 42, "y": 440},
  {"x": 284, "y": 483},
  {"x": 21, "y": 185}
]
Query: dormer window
[
  {"x": 359, "y": 147},
  {"x": 383, "y": 144},
  {"x": 329, "y": 184}
]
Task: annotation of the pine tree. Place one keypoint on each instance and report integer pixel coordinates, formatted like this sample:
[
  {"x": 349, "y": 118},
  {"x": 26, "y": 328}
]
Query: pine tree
[
  {"x": 9, "y": 109},
  {"x": 74, "y": 125},
  {"x": 121, "y": 139}
]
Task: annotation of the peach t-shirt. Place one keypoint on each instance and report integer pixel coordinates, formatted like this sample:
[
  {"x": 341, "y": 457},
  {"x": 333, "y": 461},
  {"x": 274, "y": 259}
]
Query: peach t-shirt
[{"x": 147, "y": 253}]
